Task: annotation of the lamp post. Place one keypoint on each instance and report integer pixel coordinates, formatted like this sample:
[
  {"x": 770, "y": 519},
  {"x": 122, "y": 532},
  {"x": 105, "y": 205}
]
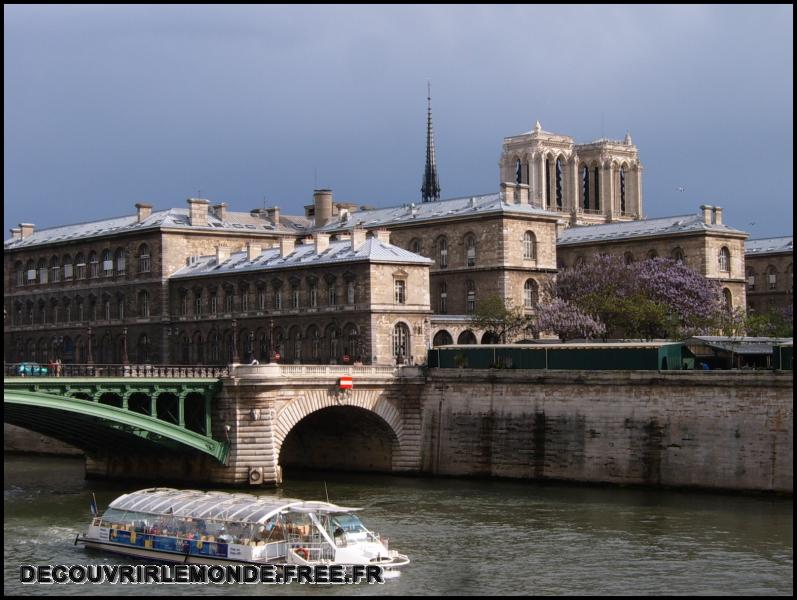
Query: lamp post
[
  {"x": 272, "y": 354},
  {"x": 125, "y": 359},
  {"x": 89, "y": 357},
  {"x": 235, "y": 357},
  {"x": 250, "y": 346}
]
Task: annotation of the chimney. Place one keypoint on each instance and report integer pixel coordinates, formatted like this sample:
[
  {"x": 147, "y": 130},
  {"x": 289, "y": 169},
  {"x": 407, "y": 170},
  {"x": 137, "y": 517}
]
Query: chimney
[
  {"x": 523, "y": 189},
  {"x": 322, "y": 201},
  {"x": 718, "y": 215},
  {"x": 222, "y": 254},
  {"x": 357, "y": 237},
  {"x": 144, "y": 210},
  {"x": 26, "y": 229},
  {"x": 287, "y": 244},
  {"x": 509, "y": 191},
  {"x": 220, "y": 210},
  {"x": 321, "y": 241},
  {"x": 706, "y": 208},
  {"x": 252, "y": 251},
  {"x": 16, "y": 233},
  {"x": 274, "y": 215},
  {"x": 383, "y": 235},
  {"x": 198, "y": 212}
]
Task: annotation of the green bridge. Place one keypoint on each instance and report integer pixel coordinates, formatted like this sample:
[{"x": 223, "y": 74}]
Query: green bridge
[{"x": 135, "y": 414}]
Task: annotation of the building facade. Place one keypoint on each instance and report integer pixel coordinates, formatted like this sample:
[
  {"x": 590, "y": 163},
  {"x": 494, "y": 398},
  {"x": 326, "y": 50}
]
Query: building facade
[
  {"x": 769, "y": 271},
  {"x": 205, "y": 284}
]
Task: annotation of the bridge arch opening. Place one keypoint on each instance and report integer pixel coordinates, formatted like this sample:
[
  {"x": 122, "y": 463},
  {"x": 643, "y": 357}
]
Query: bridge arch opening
[
  {"x": 111, "y": 399},
  {"x": 195, "y": 415},
  {"x": 346, "y": 438},
  {"x": 140, "y": 402},
  {"x": 168, "y": 407}
]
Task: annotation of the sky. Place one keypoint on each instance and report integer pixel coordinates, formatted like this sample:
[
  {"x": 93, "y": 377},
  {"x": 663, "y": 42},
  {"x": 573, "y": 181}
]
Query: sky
[{"x": 106, "y": 106}]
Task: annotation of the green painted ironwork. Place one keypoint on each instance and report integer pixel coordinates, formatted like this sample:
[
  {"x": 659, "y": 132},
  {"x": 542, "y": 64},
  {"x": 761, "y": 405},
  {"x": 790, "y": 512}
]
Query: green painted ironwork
[{"x": 54, "y": 406}]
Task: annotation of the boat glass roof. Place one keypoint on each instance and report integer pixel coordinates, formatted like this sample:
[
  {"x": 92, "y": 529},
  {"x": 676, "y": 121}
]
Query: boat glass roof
[{"x": 219, "y": 506}]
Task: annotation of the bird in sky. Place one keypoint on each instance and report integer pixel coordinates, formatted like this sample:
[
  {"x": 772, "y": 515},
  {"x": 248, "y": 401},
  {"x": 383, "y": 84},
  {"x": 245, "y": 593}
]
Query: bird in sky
[{"x": 681, "y": 189}]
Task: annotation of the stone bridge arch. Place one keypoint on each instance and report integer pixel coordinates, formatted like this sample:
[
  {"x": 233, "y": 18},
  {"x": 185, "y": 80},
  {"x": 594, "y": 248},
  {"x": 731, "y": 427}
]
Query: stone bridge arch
[{"x": 405, "y": 454}]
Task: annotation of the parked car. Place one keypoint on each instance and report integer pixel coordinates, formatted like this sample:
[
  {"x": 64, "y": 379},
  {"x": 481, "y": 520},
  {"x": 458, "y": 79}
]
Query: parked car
[{"x": 31, "y": 368}]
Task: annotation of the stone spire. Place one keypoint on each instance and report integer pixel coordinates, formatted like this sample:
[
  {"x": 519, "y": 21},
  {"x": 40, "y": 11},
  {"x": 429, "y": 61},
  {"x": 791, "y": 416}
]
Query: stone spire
[
  {"x": 430, "y": 191},
  {"x": 537, "y": 127},
  {"x": 627, "y": 141}
]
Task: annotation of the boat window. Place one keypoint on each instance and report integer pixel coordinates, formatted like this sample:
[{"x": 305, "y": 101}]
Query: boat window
[{"x": 349, "y": 523}]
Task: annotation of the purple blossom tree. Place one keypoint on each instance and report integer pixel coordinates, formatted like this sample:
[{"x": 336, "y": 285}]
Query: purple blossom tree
[{"x": 567, "y": 321}]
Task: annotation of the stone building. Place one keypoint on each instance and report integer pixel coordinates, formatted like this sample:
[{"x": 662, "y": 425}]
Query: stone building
[
  {"x": 160, "y": 286},
  {"x": 770, "y": 278},
  {"x": 598, "y": 182},
  {"x": 702, "y": 242}
]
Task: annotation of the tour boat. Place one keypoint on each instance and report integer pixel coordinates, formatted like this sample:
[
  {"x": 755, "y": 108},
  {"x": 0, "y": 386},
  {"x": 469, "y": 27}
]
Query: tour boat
[{"x": 190, "y": 526}]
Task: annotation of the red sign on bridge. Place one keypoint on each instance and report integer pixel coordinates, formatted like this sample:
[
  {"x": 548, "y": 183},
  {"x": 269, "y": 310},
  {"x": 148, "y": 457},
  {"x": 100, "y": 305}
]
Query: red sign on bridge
[{"x": 346, "y": 383}]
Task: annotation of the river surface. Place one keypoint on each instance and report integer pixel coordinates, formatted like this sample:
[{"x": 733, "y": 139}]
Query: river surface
[{"x": 463, "y": 536}]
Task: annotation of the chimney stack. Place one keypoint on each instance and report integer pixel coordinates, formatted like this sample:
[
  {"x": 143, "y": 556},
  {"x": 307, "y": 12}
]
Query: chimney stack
[
  {"x": 252, "y": 251},
  {"x": 706, "y": 208},
  {"x": 321, "y": 241},
  {"x": 718, "y": 215},
  {"x": 383, "y": 235},
  {"x": 220, "y": 211},
  {"x": 198, "y": 212},
  {"x": 274, "y": 215},
  {"x": 222, "y": 254},
  {"x": 144, "y": 210},
  {"x": 357, "y": 237},
  {"x": 16, "y": 233},
  {"x": 322, "y": 201},
  {"x": 26, "y": 229},
  {"x": 287, "y": 244}
]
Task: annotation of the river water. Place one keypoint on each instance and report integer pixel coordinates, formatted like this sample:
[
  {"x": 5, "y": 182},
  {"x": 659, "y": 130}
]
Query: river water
[{"x": 463, "y": 536}]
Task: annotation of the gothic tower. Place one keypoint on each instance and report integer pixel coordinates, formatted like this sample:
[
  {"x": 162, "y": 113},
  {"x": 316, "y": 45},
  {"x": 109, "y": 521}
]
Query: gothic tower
[{"x": 430, "y": 191}]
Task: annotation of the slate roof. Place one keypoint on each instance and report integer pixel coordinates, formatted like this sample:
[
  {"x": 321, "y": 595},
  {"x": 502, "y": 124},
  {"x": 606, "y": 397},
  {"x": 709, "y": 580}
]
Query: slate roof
[
  {"x": 769, "y": 246},
  {"x": 170, "y": 218},
  {"x": 430, "y": 211},
  {"x": 663, "y": 226},
  {"x": 741, "y": 345},
  {"x": 372, "y": 250}
]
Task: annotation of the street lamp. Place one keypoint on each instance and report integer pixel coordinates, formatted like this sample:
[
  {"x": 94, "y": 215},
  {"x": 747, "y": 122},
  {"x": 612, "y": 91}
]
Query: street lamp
[{"x": 89, "y": 357}]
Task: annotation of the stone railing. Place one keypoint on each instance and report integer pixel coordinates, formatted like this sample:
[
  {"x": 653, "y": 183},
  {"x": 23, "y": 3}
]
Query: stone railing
[{"x": 274, "y": 370}]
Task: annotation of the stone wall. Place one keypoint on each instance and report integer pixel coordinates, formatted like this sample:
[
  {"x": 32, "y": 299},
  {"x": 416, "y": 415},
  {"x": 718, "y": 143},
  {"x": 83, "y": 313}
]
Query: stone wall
[{"x": 723, "y": 430}]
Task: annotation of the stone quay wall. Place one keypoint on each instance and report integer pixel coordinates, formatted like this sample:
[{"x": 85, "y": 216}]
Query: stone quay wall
[{"x": 722, "y": 430}]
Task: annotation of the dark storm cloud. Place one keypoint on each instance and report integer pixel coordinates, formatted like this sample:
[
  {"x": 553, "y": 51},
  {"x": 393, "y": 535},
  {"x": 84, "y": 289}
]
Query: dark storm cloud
[{"x": 108, "y": 106}]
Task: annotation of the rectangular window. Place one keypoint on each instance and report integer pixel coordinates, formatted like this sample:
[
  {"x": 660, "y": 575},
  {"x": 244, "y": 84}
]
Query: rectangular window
[
  {"x": 43, "y": 276},
  {"x": 20, "y": 278},
  {"x": 183, "y": 305},
  {"x": 350, "y": 293},
  {"x": 94, "y": 269},
  {"x": 198, "y": 306},
  {"x": 245, "y": 301},
  {"x": 80, "y": 312},
  {"x": 143, "y": 263},
  {"x": 278, "y": 300},
  {"x": 333, "y": 295},
  {"x": 81, "y": 271},
  {"x": 213, "y": 304},
  {"x": 120, "y": 308},
  {"x": 751, "y": 282},
  {"x": 773, "y": 281},
  {"x": 67, "y": 272},
  {"x": 471, "y": 256},
  {"x": 107, "y": 268},
  {"x": 228, "y": 303},
  {"x": 261, "y": 299},
  {"x": 31, "y": 275},
  {"x": 400, "y": 289},
  {"x": 120, "y": 265},
  {"x": 443, "y": 303},
  {"x": 55, "y": 274},
  {"x": 313, "y": 296}
]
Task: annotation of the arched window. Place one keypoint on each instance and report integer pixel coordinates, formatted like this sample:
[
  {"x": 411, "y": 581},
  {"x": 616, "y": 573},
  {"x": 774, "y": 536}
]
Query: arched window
[
  {"x": 466, "y": 337},
  {"x": 443, "y": 298},
  {"x": 214, "y": 343},
  {"x": 42, "y": 271},
  {"x": 529, "y": 246},
  {"x": 55, "y": 269},
  {"x": 725, "y": 260},
  {"x": 442, "y": 338},
  {"x": 143, "y": 259},
  {"x": 470, "y": 250},
  {"x": 106, "y": 308},
  {"x": 94, "y": 265},
  {"x": 415, "y": 246},
  {"x": 121, "y": 262},
  {"x": 628, "y": 257},
  {"x": 585, "y": 186},
  {"x": 261, "y": 298},
  {"x": 442, "y": 252},
  {"x": 622, "y": 191},
  {"x": 143, "y": 304},
  {"x": 214, "y": 302},
  {"x": 229, "y": 300},
  {"x": 772, "y": 278},
  {"x": 518, "y": 171},
  {"x": 530, "y": 293},
  {"x": 401, "y": 342},
  {"x": 198, "y": 302},
  {"x": 728, "y": 299},
  {"x": 312, "y": 294},
  {"x": 350, "y": 292},
  {"x": 678, "y": 255},
  {"x": 80, "y": 266},
  {"x": 107, "y": 263},
  {"x": 559, "y": 192},
  {"x": 315, "y": 343},
  {"x": 332, "y": 294},
  {"x": 68, "y": 268},
  {"x": 750, "y": 278},
  {"x": 470, "y": 296},
  {"x": 120, "y": 306},
  {"x": 652, "y": 254},
  {"x": 597, "y": 180}
]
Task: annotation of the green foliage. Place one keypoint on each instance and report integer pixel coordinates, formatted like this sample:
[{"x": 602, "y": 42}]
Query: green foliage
[{"x": 502, "y": 319}]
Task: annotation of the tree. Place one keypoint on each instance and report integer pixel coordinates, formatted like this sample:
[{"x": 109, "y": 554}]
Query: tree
[
  {"x": 657, "y": 297},
  {"x": 502, "y": 319},
  {"x": 566, "y": 321}
]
